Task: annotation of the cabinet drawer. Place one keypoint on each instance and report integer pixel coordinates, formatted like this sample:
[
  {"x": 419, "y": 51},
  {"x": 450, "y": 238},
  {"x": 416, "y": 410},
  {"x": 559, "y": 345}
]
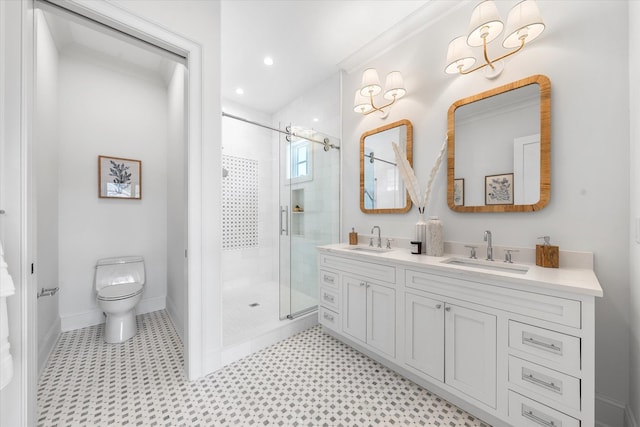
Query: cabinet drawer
[
  {"x": 328, "y": 278},
  {"x": 369, "y": 270},
  {"x": 329, "y": 298},
  {"x": 329, "y": 318},
  {"x": 550, "y": 308},
  {"x": 560, "y": 349},
  {"x": 542, "y": 381},
  {"x": 525, "y": 412}
]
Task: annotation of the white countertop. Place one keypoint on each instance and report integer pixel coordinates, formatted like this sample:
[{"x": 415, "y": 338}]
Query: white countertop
[{"x": 576, "y": 280}]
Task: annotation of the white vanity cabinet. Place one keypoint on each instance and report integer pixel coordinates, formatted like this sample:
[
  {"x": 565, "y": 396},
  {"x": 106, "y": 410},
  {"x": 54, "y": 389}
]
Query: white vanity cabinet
[
  {"x": 369, "y": 313},
  {"x": 453, "y": 344},
  {"x": 470, "y": 352},
  {"x": 515, "y": 349}
]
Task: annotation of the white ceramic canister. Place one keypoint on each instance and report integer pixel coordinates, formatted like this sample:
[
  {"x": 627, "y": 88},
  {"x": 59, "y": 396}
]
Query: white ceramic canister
[{"x": 435, "y": 237}]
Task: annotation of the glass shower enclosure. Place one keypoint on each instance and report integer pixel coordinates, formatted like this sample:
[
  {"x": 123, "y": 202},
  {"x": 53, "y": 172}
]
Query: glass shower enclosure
[{"x": 309, "y": 213}]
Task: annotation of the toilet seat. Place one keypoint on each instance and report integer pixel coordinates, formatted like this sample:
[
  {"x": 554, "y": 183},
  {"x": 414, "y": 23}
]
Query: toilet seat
[{"x": 118, "y": 292}]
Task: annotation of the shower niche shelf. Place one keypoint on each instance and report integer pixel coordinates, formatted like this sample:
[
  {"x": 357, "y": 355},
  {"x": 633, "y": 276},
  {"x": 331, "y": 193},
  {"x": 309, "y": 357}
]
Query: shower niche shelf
[{"x": 297, "y": 212}]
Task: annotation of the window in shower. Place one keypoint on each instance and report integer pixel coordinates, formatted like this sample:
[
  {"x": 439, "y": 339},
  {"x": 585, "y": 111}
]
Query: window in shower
[{"x": 299, "y": 162}]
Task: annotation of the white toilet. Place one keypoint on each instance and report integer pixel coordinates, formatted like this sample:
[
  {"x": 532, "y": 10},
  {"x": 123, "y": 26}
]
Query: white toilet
[{"x": 119, "y": 284}]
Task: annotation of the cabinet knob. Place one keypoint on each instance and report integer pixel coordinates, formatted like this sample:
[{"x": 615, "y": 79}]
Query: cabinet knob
[
  {"x": 447, "y": 309},
  {"x": 438, "y": 306},
  {"x": 361, "y": 283}
]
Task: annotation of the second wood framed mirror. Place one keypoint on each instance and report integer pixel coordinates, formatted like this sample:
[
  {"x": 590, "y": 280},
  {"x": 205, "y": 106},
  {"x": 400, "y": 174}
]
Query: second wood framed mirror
[
  {"x": 381, "y": 187},
  {"x": 499, "y": 149}
]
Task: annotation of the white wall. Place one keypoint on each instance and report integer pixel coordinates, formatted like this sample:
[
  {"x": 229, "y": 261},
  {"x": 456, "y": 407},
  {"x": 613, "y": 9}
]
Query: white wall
[
  {"x": 589, "y": 203},
  {"x": 46, "y": 187},
  {"x": 258, "y": 265},
  {"x": 176, "y": 200},
  {"x": 107, "y": 108},
  {"x": 634, "y": 249}
]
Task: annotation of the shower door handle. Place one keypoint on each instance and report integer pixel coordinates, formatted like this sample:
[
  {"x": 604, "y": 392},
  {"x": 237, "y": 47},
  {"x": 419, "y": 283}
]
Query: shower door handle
[{"x": 284, "y": 211}]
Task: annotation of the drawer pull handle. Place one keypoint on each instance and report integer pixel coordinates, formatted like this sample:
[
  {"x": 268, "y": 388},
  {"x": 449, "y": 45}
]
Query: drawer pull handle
[
  {"x": 528, "y": 376},
  {"x": 536, "y": 417},
  {"x": 329, "y": 298},
  {"x": 328, "y": 317},
  {"x": 533, "y": 340},
  {"x": 328, "y": 279}
]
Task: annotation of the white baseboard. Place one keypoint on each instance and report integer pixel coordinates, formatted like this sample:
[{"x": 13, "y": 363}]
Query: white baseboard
[
  {"x": 609, "y": 412},
  {"x": 630, "y": 419},
  {"x": 176, "y": 318},
  {"x": 93, "y": 317},
  {"x": 48, "y": 343}
]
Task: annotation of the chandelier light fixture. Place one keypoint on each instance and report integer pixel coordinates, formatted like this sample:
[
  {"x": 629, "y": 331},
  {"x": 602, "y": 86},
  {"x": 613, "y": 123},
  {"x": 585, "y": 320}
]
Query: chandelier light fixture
[
  {"x": 524, "y": 24},
  {"x": 364, "y": 101}
]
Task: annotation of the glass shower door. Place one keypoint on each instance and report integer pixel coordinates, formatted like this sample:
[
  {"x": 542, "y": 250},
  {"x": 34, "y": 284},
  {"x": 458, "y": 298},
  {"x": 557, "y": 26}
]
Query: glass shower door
[{"x": 309, "y": 213}]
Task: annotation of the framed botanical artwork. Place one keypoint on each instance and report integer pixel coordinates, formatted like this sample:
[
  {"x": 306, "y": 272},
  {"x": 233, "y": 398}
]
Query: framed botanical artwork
[
  {"x": 498, "y": 189},
  {"x": 458, "y": 192},
  {"x": 119, "y": 178}
]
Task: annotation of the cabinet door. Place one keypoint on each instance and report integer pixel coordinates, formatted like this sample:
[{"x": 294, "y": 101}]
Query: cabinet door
[
  {"x": 424, "y": 335},
  {"x": 381, "y": 318},
  {"x": 470, "y": 348},
  {"x": 354, "y": 307}
]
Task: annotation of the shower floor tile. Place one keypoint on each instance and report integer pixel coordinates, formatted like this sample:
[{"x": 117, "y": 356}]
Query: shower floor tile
[
  {"x": 309, "y": 379},
  {"x": 241, "y": 320}
]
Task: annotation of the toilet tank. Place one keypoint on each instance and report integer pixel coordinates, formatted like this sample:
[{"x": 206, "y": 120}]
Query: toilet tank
[{"x": 116, "y": 271}]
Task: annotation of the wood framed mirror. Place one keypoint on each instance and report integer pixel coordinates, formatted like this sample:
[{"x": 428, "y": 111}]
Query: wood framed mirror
[
  {"x": 499, "y": 149},
  {"x": 381, "y": 187}
]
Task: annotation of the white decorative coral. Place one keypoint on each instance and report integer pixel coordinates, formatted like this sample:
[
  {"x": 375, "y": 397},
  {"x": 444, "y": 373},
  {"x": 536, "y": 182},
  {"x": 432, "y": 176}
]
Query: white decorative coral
[{"x": 410, "y": 179}]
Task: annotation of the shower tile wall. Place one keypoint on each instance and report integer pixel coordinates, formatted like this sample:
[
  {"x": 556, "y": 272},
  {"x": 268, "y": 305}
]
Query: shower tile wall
[
  {"x": 252, "y": 263},
  {"x": 240, "y": 211}
]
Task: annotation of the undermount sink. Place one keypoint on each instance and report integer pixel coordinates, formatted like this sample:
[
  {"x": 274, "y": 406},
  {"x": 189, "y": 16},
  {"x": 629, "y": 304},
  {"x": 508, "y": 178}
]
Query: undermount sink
[
  {"x": 369, "y": 249},
  {"x": 488, "y": 265}
]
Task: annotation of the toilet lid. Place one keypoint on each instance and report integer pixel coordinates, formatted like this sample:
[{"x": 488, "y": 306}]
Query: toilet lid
[{"x": 122, "y": 291}]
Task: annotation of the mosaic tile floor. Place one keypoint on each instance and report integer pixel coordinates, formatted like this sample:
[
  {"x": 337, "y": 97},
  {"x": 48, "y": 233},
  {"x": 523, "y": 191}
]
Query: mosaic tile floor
[{"x": 310, "y": 379}]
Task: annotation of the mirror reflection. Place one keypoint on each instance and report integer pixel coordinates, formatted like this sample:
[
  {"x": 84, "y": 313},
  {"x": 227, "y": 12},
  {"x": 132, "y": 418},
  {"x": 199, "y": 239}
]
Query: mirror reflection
[
  {"x": 499, "y": 149},
  {"x": 381, "y": 187}
]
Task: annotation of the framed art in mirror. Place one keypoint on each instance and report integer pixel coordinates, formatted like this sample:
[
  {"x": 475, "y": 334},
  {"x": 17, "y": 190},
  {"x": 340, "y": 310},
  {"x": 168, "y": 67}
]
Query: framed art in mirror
[
  {"x": 382, "y": 189},
  {"x": 499, "y": 149}
]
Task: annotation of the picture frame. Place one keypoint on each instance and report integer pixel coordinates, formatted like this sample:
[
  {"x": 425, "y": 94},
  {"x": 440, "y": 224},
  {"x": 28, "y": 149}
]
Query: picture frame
[
  {"x": 119, "y": 178},
  {"x": 458, "y": 192},
  {"x": 498, "y": 189}
]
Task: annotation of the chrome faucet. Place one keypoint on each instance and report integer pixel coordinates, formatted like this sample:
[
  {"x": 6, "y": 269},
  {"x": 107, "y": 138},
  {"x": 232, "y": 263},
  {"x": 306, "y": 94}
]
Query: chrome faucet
[
  {"x": 487, "y": 238},
  {"x": 379, "y": 238}
]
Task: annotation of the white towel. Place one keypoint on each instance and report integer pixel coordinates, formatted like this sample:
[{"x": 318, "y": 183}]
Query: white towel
[
  {"x": 7, "y": 288},
  {"x": 6, "y": 282}
]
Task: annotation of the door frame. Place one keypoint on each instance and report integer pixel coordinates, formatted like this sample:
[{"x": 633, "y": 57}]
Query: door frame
[{"x": 124, "y": 21}]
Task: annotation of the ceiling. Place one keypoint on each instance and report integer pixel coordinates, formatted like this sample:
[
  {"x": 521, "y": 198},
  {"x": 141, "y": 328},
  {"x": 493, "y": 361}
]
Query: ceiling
[{"x": 307, "y": 39}]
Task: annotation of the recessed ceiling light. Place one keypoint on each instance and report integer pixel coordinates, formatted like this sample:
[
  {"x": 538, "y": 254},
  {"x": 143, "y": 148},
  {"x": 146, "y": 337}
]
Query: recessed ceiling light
[
  {"x": 268, "y": 60},
  {"x": 315, "y": 119},
  {"x": 240, "y": 91}
]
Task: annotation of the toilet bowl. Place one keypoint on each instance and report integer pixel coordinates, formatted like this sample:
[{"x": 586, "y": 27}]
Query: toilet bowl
[{"x": 119, "y": 283}]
